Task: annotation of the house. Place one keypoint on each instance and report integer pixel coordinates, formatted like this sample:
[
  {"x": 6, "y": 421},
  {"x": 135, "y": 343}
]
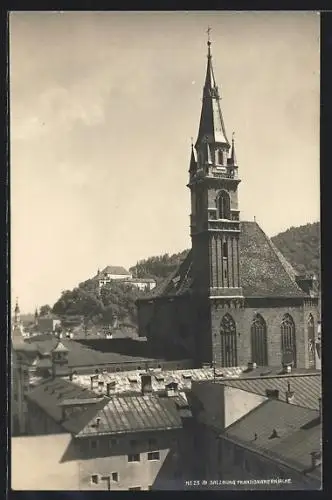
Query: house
[
  {"x": 259, "y": 431},
  {"x": 48, "y": 324},
  {"x": 234, "y": 299},
  {"x": 120, "y": 274},
  {"x": 123, "y": 442}
]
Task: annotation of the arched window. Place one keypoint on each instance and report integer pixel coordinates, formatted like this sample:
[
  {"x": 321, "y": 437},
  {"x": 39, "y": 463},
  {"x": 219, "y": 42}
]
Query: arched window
[
  {"x": 228, "y": 341},
  {"x": 224, "y": 249},
  {"x": 288, "y": 340},
  {"x": 311, "y": 340},
  {"x": 259, "y": 341},
  {"x": 223, "y": 204}
]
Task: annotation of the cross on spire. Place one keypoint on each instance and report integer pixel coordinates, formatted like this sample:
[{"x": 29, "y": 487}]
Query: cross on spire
[{"x": 208, "y": 31}]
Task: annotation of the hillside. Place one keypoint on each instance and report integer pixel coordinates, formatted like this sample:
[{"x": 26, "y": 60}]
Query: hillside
[
  {"x": 300, "y": 245},
  {"x": 158, "y": 267}
]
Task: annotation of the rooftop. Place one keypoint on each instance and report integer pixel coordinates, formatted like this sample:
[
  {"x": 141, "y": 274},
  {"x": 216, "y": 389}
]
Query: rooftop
[
  {"x": 115, "y": 270},
  {"x": 282, "y": 430},
  {"x": 307, "y": 387},
  {"x": 264, "y": 270},
  {"x": 133, "y": 414},
  {"x": 98, "y": 353},
  {"x": 51, "y": 393},
  {"x": 116, "y": 415},
  {"x": 130, "y": 382}
]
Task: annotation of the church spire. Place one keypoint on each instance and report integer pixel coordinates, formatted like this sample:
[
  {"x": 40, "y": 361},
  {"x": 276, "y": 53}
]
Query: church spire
[
  {"x": 17, "y": 313},
  {"x": 211, "y": 127}
]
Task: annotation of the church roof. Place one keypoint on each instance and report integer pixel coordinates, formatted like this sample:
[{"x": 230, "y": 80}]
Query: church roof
[{"x": 264, "y": 270}]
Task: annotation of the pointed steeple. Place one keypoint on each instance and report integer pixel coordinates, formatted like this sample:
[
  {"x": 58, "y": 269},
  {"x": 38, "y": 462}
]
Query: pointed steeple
[
  {"x": 17, "y": 309},
  {"x": 17, "y": 315},
  {"x": 193, "y": 163},
  {"x": 211, "y": 127},
  {"x": 233, "y": 160}
]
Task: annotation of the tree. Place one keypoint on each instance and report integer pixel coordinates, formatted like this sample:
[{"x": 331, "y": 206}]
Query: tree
[{"x": 45, "y": 310}]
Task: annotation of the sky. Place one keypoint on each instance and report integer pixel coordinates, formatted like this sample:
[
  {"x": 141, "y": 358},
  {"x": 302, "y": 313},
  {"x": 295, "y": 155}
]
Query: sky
[{"x": 103, "y": 106}]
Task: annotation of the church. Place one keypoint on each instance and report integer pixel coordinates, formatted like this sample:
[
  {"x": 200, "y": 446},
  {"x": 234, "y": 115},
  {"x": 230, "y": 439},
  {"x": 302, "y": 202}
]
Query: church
[{"x": 234, "y": 299}]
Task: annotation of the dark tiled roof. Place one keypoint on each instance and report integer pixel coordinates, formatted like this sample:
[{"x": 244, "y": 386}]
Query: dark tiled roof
[
  {"x": 298, "y": 432},
  {"x": 115, "y": 270},
  {"x": 81, "y": 355},
  {"x": 307, "y": 388},
  {"x": 133, "y": 414},
  {"x": 264, "y": 270},
  {"x": 178, "y": 283},
  {"x": 48, "y": 395}
]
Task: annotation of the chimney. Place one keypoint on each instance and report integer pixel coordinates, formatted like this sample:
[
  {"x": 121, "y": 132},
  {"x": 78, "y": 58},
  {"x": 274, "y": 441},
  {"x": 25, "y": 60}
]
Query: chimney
[
  {"x": 251, "y": 365},
  {"x": 109, "y": 387},
  {"x": 316, "y": 459},
  {"x": 92, "y": 379},
  {"x": 289, "y": 394},
  {"x": 171, "y": 389},
  {"x": 146, "y": 383}
]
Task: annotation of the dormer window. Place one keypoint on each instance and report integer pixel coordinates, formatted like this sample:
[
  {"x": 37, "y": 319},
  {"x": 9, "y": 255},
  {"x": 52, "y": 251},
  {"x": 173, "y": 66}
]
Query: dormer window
[{"x": 220, "y": 157}]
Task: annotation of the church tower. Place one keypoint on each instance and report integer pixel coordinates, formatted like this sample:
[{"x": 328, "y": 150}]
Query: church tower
[
  {"x": 215, "y": 215},
  {"x": 17, "y": 314}
]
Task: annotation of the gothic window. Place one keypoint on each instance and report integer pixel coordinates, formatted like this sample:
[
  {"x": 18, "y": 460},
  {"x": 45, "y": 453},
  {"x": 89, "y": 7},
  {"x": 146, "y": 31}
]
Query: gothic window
[
  {"x": 311, "y": 340},
  {"x": 220, "y": 157},
  {"x": 223, "y": 203},
  {"x": 228, "y": 341},
  {"x": 224, "y": 249},
  {"x": 288, "y": 340},
  {"x": 259, "y": 341}
]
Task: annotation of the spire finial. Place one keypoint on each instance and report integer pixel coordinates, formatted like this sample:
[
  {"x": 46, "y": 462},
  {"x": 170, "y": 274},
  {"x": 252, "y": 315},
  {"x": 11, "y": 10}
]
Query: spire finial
[
  {"x": 233, "y": 136},
  {"x": 192, "y": 141},
  {"x": 208, "y": 31},
  {"x": 208, "y": 34}
]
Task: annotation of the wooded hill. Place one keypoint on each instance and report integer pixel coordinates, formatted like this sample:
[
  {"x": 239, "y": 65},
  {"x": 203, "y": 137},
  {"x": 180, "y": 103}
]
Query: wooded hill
[{"x": 300, "y": 246}]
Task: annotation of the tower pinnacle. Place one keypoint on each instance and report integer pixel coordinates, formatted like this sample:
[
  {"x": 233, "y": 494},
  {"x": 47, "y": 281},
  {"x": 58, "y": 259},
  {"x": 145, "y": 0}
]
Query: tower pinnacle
[{"x": 233, "y": 154}]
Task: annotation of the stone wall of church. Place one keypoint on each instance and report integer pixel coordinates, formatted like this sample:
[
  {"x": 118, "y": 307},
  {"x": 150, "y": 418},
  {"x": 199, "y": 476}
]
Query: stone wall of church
[
  {"x": 193, "y": 326},
  {"x": 169, "y": 325},
  {"x": 243, "y": 317}
]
